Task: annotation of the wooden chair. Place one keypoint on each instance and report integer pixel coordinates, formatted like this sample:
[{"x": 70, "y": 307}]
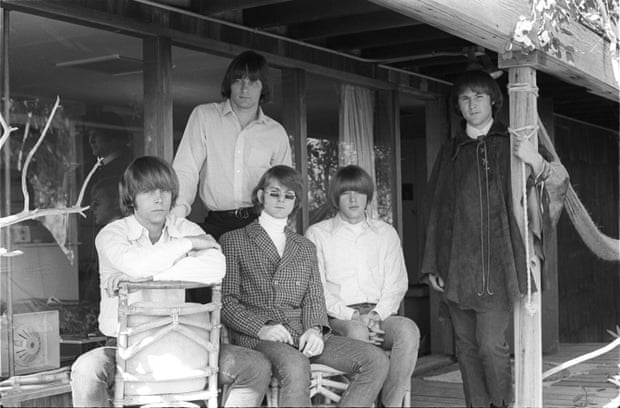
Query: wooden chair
[
  {"x": 326, "y": 386},
  {"x": 167, "y": 355}
]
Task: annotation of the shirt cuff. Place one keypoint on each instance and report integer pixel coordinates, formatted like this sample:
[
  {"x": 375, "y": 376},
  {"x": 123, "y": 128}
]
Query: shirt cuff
[
  {"x": 383, "y": 314},
  {"x": 350, "y": 311},
  {"x": 544, "y": 172}
]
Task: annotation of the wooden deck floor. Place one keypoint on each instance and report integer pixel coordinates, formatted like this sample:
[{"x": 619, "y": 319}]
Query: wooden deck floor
[{"x": 583, "y": 385}]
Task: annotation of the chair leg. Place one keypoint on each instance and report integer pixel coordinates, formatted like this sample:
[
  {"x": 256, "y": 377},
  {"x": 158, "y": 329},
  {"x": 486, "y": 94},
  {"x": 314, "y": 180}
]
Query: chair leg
[{"x": 272, "y": 394}]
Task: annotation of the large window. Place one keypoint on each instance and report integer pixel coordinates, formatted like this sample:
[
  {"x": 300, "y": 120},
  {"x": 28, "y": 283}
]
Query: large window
[
  {"x": 345, "y": 126},
  {"x": 97, "y": 76}
]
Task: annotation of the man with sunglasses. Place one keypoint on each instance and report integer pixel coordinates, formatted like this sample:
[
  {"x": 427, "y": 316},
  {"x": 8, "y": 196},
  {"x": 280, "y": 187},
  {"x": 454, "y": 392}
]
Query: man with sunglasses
[{"x": 227, "y": 146}]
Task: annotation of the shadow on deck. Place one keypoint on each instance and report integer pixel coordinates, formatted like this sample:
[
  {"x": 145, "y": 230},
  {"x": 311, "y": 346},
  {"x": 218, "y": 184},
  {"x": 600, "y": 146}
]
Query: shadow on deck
[{"x": 437, "y": 382}]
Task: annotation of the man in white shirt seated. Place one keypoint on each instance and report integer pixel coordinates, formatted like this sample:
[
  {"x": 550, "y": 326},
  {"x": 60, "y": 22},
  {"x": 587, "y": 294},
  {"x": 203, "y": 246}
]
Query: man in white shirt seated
[
  {"x": 150, "y": 242},
  {"x": 364, "y": 278}
]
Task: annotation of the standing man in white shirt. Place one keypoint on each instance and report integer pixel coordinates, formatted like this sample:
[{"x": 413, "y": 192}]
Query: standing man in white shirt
[
  {"x": 227, "y": 146},
  {"x": 149, "y": 241},
  {"x": 364, "y": 277}
]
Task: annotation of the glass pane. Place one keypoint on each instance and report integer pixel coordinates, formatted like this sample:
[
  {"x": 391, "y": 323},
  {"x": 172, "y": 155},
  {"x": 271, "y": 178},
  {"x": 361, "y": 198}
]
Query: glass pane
[
  {"x": 323, "y": 103},
  {"x": 98, "y": 77}
]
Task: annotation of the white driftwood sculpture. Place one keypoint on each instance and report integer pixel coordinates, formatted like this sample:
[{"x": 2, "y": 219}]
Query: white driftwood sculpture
[{"x": 27, "y": 214}]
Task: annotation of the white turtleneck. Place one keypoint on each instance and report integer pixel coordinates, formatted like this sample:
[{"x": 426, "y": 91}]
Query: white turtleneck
[{"x": 275, "y": 230}]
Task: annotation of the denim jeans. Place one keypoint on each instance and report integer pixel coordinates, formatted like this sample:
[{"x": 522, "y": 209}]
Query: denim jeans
[
  {"x": 483, "y": 354},
  {"x": 402, "y": 338},
  {"x": 366, "y": 364},
  {"x": 247, "y": 372}
]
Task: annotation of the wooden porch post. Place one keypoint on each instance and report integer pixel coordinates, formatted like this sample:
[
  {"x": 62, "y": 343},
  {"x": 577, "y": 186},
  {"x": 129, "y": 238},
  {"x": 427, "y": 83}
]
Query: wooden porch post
[
  {"x": 522, "y": 91},
  {"x": 157, "y": 79},
  {"x": 294, "y": 119}
]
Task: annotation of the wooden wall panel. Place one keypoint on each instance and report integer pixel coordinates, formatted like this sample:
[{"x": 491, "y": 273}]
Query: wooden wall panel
[{"x": 588, "y": 287}]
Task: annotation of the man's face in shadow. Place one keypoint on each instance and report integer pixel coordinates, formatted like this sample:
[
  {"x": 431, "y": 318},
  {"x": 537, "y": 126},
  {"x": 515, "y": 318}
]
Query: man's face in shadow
[
  {"x": 105, "y": 205},
  {"x": 102, "y": 144}
]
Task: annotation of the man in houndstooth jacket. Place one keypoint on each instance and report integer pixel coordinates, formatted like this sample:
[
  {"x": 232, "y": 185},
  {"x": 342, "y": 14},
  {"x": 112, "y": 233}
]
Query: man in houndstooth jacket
[{"x": 273, "y": 300}]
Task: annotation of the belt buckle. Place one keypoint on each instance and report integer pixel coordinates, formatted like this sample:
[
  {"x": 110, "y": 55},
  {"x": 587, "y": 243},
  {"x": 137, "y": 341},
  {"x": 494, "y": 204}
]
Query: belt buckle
[{"x": 242, "y": 213}]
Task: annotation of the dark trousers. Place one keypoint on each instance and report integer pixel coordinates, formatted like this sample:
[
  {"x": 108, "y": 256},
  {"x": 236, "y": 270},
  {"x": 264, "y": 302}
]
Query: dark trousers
[
  {"x": 217, "y": 224},
  {"x": 483, "y": 354}
]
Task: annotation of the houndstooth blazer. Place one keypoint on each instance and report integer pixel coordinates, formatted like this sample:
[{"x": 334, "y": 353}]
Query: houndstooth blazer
[{"x": 261, "y": 288}]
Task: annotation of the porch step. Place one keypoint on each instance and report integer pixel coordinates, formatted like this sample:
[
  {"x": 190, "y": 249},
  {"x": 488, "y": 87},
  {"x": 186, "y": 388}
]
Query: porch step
[{"x": 432, "y": 362}]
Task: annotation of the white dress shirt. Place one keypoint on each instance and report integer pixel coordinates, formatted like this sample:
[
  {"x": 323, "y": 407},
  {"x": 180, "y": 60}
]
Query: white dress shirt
[
  {"x": 124, "y": 246},
  {"x": 360, "y": 263},
  {"x": 475, "y": 133},
  {"x": 224, "y": 161}
]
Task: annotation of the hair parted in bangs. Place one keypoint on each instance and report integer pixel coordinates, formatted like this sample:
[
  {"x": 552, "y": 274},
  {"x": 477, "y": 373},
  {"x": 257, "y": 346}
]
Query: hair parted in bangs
[
  {"x": 251, "y": 65},
  {"x": 477, "y": 81},
  {"x": 145, "y": 174},
  {"x": 285, "y": 175},
  {"x": 350, "y": 178}
]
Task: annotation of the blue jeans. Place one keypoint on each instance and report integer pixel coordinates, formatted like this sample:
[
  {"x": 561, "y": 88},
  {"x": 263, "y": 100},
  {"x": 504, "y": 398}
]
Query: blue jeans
[
  {"x": 247, "y": 372},
  {"x": 366, "y": 364},
  {"x": 402, "y": 338},
  {"x": 483, "y": 354}
]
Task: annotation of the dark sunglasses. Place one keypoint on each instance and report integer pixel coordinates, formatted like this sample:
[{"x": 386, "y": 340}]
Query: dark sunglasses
[{"x": 289, "y": 195}]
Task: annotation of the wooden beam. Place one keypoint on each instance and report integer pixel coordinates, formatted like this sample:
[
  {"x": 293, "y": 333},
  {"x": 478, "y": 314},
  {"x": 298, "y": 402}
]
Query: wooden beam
[
  {"x": 157, "y": 98},
  {"x": 527, "y": 316},
  {"x": 228, "y": 41},
  {"x": 490, "y": 23},
  {"x": 414, "y": 33},
  {"x": 294, "y": 120},
  {"x": 417, "y": 50},
  {"x": 349, "y": 24},
  {"x": 218, "y": 6},
  {"x": 300, "y": 11}
]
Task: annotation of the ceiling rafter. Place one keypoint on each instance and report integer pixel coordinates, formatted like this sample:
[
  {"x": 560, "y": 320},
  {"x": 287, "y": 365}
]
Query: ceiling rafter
[
  {"x": 218, "y": 6},
  {"x": 392, "y": 36},
  {"x": 300, "y": 11},
  {"x": 414, "y": 50},
  {"x": 349, "y": 24}
]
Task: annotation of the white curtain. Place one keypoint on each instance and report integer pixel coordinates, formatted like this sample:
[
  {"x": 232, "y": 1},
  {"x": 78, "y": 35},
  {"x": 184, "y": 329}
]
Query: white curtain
[{"x": 356, "y": 140}]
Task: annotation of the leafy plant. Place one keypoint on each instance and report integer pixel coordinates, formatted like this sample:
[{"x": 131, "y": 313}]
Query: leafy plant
[{"x": 550, "y": 17}]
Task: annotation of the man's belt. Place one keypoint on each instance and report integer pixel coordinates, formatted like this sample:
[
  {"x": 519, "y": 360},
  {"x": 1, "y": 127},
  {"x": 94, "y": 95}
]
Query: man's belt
[{"x": 241, "y": 213}]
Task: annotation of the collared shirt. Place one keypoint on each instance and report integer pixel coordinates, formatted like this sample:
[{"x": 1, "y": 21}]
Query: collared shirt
[
  {"x": 363, "y": 266},
  {"x": 475, "y": 133},
  {"x": 124, "y": 247},
  {"x": 225, "y": 158},
  {"x": 107, "y": 159}
]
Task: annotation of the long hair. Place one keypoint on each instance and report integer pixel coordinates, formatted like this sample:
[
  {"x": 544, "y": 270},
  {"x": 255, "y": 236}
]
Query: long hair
[
  {"x": 350, "y": 178},
  {"x": 285, "y": 175},
  {"x": 251, "y": 65},
  {"x": 477, "y": 81},
  {"x": 144, "y": 174}
]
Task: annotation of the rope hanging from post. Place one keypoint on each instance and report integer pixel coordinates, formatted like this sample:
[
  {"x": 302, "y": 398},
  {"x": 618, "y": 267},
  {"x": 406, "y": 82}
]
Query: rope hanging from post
[
  {"x": 526, "y": 132},
  {"x": 601, "y": 245}
]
